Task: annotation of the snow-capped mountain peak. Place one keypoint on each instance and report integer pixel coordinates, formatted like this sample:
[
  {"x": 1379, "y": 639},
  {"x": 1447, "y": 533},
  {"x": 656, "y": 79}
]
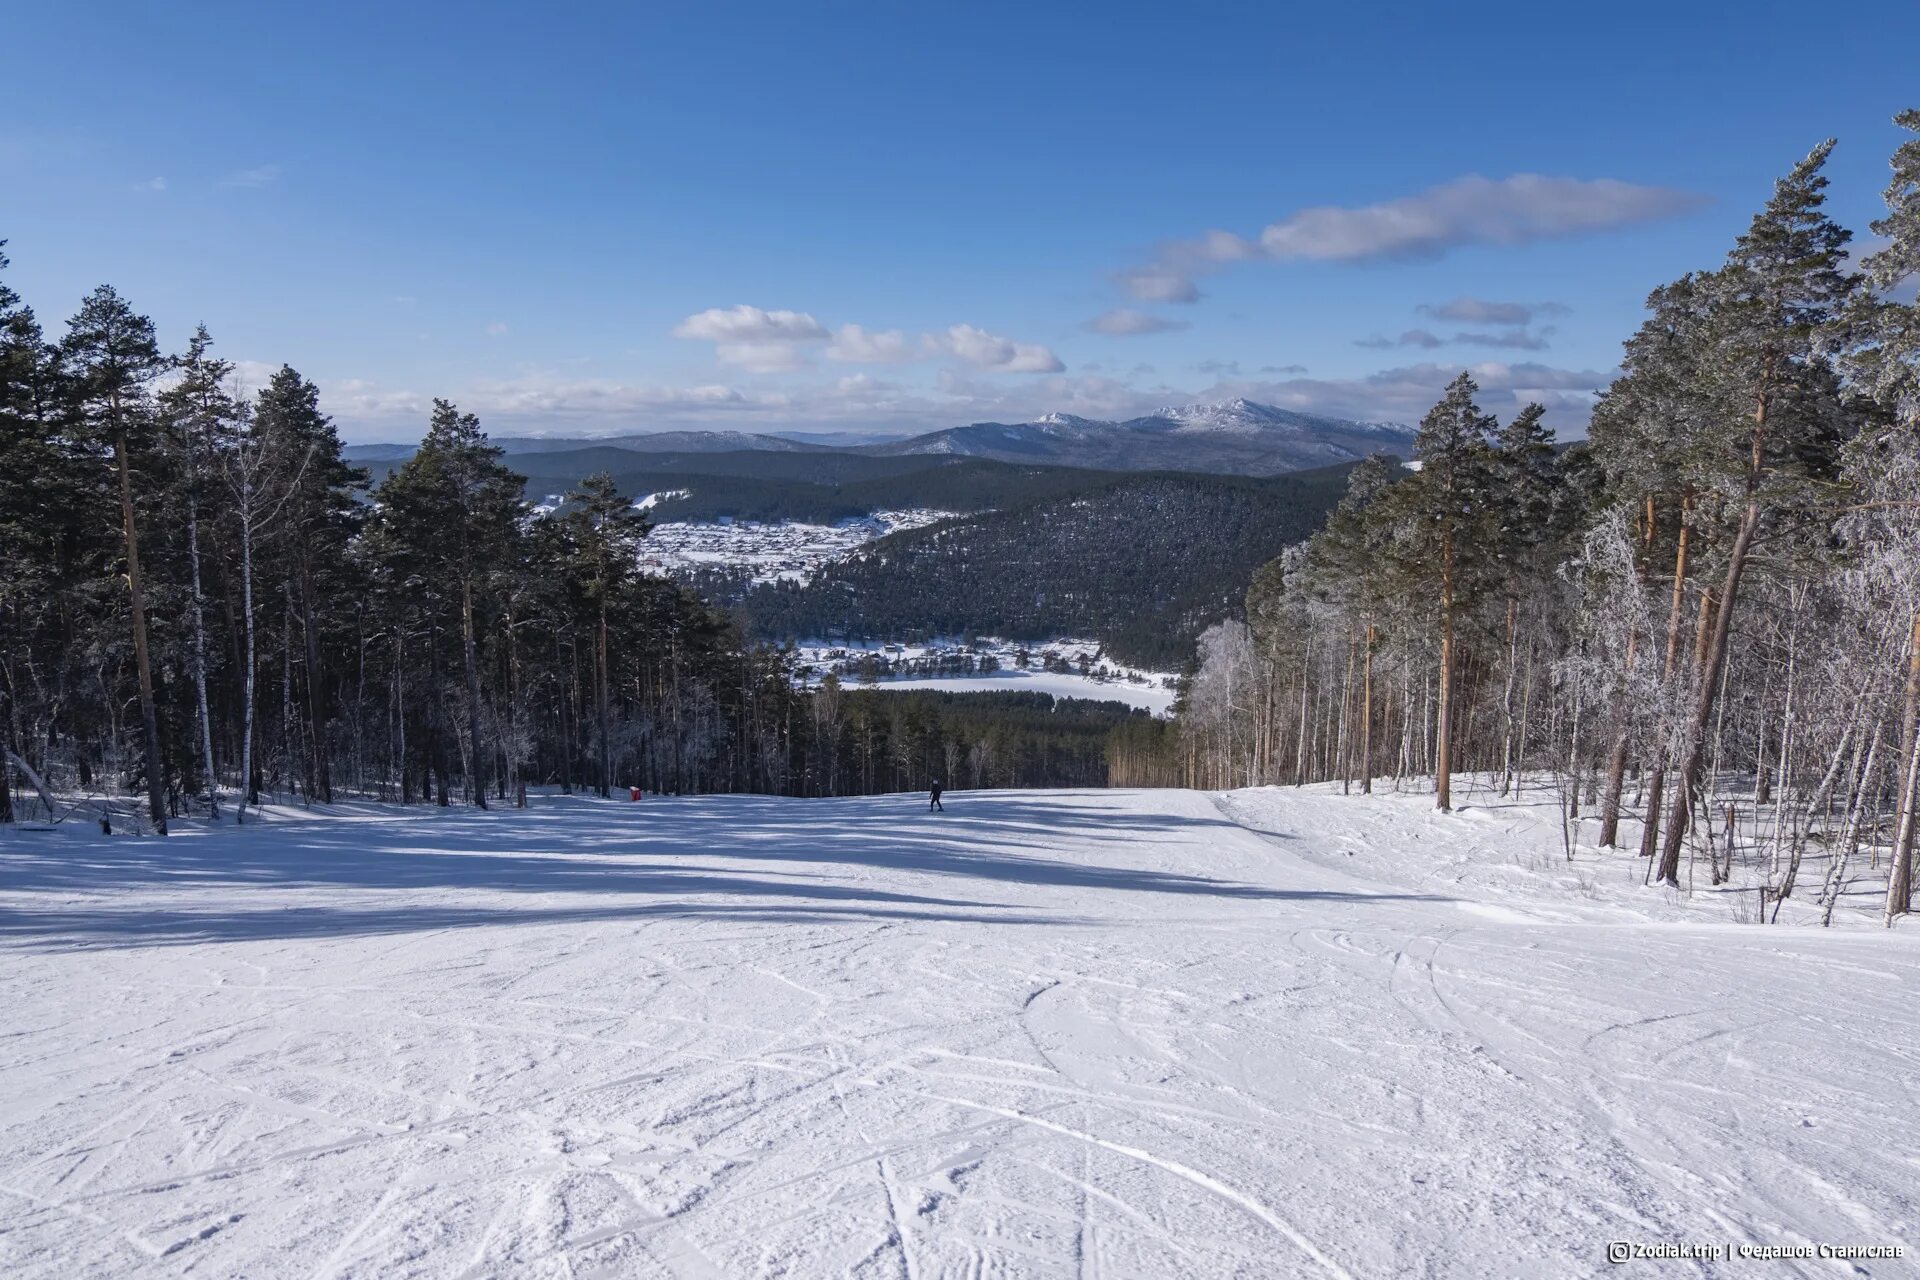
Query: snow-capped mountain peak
[{"x": 1069, "y": 420}]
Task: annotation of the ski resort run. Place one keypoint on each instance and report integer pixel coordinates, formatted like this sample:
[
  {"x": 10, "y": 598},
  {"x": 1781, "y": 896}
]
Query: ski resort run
[{"x": 1105, "y": 1033}]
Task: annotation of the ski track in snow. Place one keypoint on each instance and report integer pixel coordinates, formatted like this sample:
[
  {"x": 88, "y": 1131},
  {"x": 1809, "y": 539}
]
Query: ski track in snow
[{"x": 1095, "y": 1033}]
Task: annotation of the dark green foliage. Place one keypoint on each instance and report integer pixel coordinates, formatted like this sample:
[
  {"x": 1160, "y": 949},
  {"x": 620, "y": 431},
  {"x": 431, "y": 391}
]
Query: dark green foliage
[{"x": 1142, "y": 563}]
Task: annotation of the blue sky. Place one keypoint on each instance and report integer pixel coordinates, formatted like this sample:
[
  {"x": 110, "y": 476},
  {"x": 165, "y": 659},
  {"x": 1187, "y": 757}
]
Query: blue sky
[{"x": 583, "y": 219}]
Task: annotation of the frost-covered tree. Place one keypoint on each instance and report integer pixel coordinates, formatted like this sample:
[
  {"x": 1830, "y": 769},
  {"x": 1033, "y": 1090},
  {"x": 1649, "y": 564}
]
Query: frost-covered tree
[
  {"x": 1781, "y": 424},
  {"x": 1878, "y": 337}
]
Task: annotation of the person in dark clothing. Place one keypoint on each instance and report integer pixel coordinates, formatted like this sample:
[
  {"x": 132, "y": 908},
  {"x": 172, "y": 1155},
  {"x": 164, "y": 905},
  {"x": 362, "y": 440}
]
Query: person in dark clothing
[{"x": 935, "y": 802}]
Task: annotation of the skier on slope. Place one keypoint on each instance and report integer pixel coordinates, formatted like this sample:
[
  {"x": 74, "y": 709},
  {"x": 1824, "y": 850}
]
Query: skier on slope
[{"x": 934, "y": 803}]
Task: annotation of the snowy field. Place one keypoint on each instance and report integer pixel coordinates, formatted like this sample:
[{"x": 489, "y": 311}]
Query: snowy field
[{"x": 1045, "y": 1033}]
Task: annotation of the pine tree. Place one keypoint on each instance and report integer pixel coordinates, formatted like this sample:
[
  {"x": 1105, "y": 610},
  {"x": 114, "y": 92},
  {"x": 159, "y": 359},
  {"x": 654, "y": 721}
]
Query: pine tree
[
  {"x": 1446, "y": 502},
  {"x": 1347, "y": 562},
  {"x": 203, "y": 418},
  {"x": 454, "y": 510},
  {"x": 33, "y": 485},
  {"x": 112, "y": 359},
  {"x": 318, "y": 517},
  {"x": 1648, "y": 431},
  {"x": 606, "y": 533},
  {"x": 1524, "y": 514},
  {"x": 1782, "y": 283},
  {"x": 1879, "y": 343}
]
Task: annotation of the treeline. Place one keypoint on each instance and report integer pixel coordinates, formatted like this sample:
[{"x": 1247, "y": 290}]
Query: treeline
[
  {"x": 1717, "y": 593},
  {"x": 876, "y": 740},
  {"x": 1143, "y": 563},
  {"x": 204, "y": 604}
]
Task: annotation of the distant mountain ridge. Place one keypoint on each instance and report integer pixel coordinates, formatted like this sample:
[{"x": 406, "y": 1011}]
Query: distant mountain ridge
[
  {"x": 1236, "y": 437},
  {"x": 1233, "y": 437}
]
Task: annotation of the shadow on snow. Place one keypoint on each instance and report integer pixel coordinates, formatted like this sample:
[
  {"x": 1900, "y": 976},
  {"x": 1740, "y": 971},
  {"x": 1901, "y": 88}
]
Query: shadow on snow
[{"x": 605, "y": 849}]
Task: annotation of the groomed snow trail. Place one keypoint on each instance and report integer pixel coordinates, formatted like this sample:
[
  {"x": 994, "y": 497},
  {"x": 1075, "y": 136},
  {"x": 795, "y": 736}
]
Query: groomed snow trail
[{"x": 1099, "y": 1034}]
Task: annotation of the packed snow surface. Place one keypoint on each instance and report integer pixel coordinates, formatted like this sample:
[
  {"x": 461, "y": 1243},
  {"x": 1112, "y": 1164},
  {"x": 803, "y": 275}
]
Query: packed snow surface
[{"x": 1101, "y": 1033}]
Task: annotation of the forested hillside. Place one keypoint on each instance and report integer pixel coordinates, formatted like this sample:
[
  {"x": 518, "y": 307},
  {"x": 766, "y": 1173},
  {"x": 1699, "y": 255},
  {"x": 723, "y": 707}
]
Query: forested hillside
[
  {"x": 1143, "y": 563},
  {"x": 816, "y": 486}
]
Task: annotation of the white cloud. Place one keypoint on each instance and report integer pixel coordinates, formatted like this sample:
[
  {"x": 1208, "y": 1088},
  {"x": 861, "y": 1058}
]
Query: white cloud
[
  {"x": 1518, "y": 339},
  {"x": 855, "y": 344},
  {"x": 762, "y": 357},
  {"x": 1126, "y": 321},
  {"x": 985, "y": 350},
  {"x": 1411, "y": 338},
  {"x": 761, "y": 341},
  {"x": 151, "y": 184},
  {"x": 744, "y": 324},
  {"x": 250, "y": 377},
  {"x": 498, "y": 329},
  {"x": 1158, "y": 284},
  {"x": 262, "y": 176},
  {"x": 1467, "y": 211},
  {"x": 1403, "y": 394},
  {"x": 1481, "y": 311},
  {"x": 1521, "y": 339}
]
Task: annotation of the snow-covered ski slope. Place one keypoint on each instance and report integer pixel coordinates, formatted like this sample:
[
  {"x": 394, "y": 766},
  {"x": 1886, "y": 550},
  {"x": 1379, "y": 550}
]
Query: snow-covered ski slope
[{"x": 1043, "y": 1033}]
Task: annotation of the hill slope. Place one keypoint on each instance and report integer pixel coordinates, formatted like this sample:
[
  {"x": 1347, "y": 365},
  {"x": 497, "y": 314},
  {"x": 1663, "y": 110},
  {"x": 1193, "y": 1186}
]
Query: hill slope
[{"x": 1141, "y": 562}]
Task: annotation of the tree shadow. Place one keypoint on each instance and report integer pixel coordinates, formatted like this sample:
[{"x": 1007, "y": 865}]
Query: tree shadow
[
  {"x": 90, "y": 929},
  {"x": 686, "y": 851}
]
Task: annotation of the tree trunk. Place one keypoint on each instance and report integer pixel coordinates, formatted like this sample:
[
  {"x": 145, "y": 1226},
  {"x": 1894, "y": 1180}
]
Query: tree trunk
[
  {"x": 200, "y": 660},
  {"x": 1506, "y": 696},
  {"x": 477, "y": 755},
  {"x": 1366, "y": 715},
  {"x": 561, "y": 677},
  {"x": 33, "y": 780},
  {"x": 1443, "y": 731},
  {"x": 400, "y": 719},
  {"x": 1709, "y": 681},
  {"x": 1900, "y": 873},
  {"x": 601, "y": 676},
  {"x": 248, "y": 794},
  {"x": 1300, "y": 736},
  {"x": 320, "y": 770},
  {"x": 1343, "y": 747},
  {"x": 149, "y": 716},
  {"x": 1656, "y": 782}
]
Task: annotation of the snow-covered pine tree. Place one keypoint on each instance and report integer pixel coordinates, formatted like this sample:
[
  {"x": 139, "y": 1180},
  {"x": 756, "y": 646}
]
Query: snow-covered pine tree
[{"x": 1780, "y": 424}]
